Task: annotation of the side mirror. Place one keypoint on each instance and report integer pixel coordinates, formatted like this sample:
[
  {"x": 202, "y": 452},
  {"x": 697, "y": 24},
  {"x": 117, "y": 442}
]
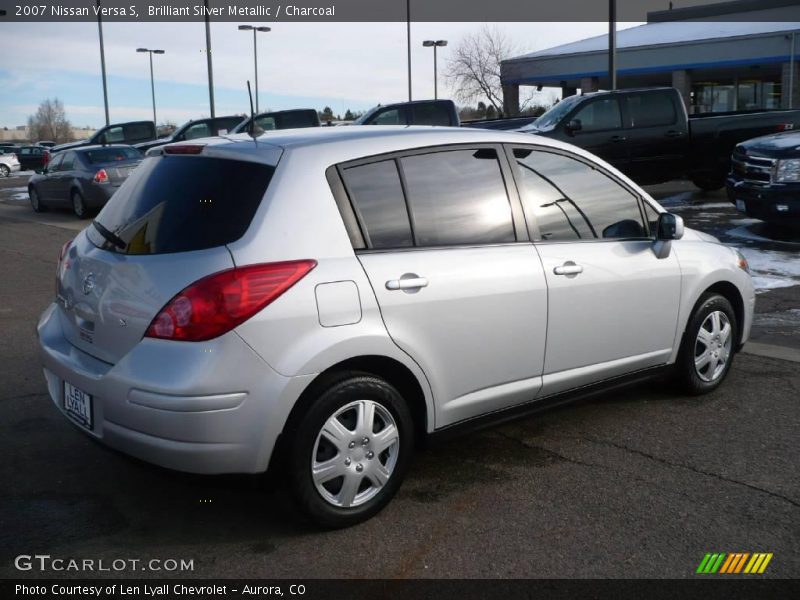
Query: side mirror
[
  {"x": 573, "y": 126},
  {"x": 670, "y": 227}
]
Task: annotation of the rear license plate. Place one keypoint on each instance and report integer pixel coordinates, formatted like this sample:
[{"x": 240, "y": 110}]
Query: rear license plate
[
  {"x": 740, "y": 205},
  {"x": 78, "y": 405}
]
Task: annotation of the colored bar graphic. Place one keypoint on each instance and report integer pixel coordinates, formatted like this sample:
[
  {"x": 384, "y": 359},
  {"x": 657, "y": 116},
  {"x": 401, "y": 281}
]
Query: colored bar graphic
[{"x": 733, "y": 563}]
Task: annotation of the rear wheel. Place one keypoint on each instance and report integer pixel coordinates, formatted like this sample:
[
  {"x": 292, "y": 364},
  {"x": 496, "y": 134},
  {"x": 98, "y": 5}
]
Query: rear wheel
[
  {"x": 36, "y": 201},
  {"x": 5, "y": 171},
  {"x": 79, "y": 205},
  {"x": 708, "y": 345},
  {"x": 351, "y": 450}
]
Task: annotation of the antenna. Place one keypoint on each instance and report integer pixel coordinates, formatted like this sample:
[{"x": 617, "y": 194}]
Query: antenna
[{"x": 252, "y": 125}]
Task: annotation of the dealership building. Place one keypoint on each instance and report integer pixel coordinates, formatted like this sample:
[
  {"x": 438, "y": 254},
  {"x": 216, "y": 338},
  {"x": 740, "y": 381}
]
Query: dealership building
[{"x": 727, "y": 56}]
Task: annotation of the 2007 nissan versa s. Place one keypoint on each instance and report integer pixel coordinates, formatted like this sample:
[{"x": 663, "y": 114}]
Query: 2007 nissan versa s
[{"x": 331, "y": 296}]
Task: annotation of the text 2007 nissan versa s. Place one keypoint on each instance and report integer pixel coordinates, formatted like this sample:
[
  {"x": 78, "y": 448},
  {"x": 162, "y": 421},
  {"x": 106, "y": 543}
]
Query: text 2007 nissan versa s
[{"x": 330, "y": 296}]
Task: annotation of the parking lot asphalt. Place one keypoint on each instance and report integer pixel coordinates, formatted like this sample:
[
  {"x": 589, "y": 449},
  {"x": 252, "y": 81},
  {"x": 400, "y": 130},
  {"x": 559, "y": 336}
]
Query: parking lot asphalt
[{"x": 638, "y": 483}]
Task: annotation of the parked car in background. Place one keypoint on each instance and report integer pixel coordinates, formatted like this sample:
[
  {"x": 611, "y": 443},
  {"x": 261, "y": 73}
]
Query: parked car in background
[
  {"x": 46, "y": 144},
  {"x": 647, "y": 134},
  {"x": 133, "y": 132},
  {"x": 192, "y": 130},
  {"x": 296, "y": 118},
  {"x": 9, "y": 149},
  {"x": 765, "y": 180},
  {"x": 32, "y": 157},
  {"x": 417, "y": 112},
  {"x": 327, "y": 297},
  {"x": 9, "y": 163},
  {"x": 83, "y": 178}
]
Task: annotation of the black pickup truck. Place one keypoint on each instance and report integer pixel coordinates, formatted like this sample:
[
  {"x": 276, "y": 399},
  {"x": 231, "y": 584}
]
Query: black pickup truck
[
  {"x": 647, "y": 134},
  {"x": 765, "y": 180},
  {"x": 132, "y": 132},
  {"x": 197, "y": 128}
]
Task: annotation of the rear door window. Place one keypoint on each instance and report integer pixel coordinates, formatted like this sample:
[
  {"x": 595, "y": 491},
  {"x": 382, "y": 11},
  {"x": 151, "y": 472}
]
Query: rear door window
[
  {"x": 180, "y": 204},
  {"x": 458, "y": 197},
  {"x": 651, "y": 110}
]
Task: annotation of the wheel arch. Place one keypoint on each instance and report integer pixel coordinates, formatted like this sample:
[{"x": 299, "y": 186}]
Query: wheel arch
[
  {"x": 731, "y": 293},
  {"x": 389, "y": 369}
]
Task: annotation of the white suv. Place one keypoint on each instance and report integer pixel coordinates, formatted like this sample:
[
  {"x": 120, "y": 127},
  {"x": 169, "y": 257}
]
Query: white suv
[{"x": 323, "y": 298}]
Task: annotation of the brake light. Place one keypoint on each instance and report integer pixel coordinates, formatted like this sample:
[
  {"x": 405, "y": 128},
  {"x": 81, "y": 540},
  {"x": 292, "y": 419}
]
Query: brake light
[
  {"x": 101, "y": 176},
  {"x": 64, "y": 249},
  {"x": 785, "y": 127},
  {"x": 184, "y": 149},
  {"x": 216, "y": 304},
  {"x": 46, "y": 157}
]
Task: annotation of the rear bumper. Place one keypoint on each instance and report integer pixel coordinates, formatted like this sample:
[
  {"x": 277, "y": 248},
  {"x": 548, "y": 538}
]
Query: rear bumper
[
  {"x": 212, "y": 407},
  {"x": 775, "y": 202},
  {"x": 96, "y": 195}
]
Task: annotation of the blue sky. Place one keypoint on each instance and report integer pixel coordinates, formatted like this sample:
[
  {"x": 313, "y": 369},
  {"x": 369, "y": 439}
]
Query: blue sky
[{"x": 342, "y": 65}]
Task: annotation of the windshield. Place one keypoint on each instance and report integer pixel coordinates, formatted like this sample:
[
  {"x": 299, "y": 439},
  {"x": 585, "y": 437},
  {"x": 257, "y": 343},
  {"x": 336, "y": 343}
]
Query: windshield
[{"x": 555, "y": 114}]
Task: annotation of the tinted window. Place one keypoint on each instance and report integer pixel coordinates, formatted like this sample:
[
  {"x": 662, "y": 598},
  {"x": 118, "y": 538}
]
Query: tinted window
[
  {"x": 114, "y": 135},
  {"x": 55, "y": 163},
  {"x": 138, "y": 132},
  {"x": 389, "y": 117},
  {"x": 570, "y": 200},
  {"x": 650, "y": 110},
  {"x": 104, "y": 155},
  {"x": 431, "y": 114},
  {"x": 68, "y": 163},
  {"x": 377, "y": 197},
  {"x": 599, "y": 115},
  {"x": 223, "y": 126},
  {"x": 458, "y": 197},
  {"x": 264, "y": 124},
  {"x": 293, "y": 120},
  {"x": 198, "y": 130},
  {"x": 182, "y": 203}
]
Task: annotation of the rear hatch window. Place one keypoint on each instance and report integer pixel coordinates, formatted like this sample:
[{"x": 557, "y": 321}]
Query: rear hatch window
[{"x": 180, "y": 204}]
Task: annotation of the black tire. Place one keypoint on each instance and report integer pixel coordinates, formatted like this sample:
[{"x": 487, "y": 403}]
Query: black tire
[
  {"x": 5, "y": 171},
  {"x": 79, "y": 205},
  {"x": 36, "y": 200},
  {"x": 709, "y": 183},
  {"x": 692, "y": 379},
  {"x": 334, "y": 395}
]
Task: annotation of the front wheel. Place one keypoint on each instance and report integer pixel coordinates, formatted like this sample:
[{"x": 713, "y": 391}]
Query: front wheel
[
  {"x": 709, "y": 183},
  {"x": 5, "y": 171},
  {"x": 351, "y": 450},
  {"x": 36, "y": 201},
  {"x": 708, "y": 345}
]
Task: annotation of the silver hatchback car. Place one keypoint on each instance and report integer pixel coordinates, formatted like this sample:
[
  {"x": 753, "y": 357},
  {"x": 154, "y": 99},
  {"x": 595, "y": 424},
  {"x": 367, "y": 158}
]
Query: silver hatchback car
[{"x": 329, "y": 297}]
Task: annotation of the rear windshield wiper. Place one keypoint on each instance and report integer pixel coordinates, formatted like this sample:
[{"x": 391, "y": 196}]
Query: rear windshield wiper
[{"x": 110, "y": 236}]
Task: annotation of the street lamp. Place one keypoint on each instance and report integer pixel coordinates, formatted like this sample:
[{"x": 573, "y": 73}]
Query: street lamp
[
  {"x": 152, "y": 81},
  {"x": 434, "y": 44},
  {"x": 255, "y": 30}
]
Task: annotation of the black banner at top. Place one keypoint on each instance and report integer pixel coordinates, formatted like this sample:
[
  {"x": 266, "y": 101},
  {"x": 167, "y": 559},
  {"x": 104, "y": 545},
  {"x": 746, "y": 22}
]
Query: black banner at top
[{"x": 395, "y": 10}]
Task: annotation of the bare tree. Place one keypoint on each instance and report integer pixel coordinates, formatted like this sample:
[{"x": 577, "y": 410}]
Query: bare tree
[
  {"x": 474, "y": 68},
  {"x": 50, "y": 123}
]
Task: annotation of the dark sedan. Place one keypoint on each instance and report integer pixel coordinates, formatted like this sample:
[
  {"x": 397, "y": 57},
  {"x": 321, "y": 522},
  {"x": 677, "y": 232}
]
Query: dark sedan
[{"x": 83, "y": 178}]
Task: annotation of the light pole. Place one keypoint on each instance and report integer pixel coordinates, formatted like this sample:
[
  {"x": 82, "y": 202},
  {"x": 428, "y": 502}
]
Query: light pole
[
  {"x": 255, "y": 49},
  {"x": 152, "y": 80},
  {"x": 102, "y": 61},
  {"x": 434, "y": 44}
]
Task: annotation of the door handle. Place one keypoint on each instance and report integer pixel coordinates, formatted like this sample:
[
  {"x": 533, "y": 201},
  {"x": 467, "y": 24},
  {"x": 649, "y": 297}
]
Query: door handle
[
  {"x": 674, "y": 134},
  {"x": 617, "y": 138},
  {"x": 408, "y": 282},
  {"x": 568, "y": 268}
]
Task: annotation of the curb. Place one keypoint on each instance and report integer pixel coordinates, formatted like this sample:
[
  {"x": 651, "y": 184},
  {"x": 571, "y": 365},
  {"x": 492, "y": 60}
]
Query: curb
[{"x": 772, "y": 351}]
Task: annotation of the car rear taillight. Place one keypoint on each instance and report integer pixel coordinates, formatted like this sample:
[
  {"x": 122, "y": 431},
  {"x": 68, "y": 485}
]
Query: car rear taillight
[
  {"x": 46, "y": 158},
  {"x": 100, "y": 177},
  {"x": 64, "y": 249},
  {"x": 184, "y": 149},
  {"x": 216, "y": 304}
]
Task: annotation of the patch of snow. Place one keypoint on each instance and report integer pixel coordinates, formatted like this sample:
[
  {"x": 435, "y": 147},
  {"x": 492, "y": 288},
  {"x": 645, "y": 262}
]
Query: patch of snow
[
  {"x": 20, "y": 196},
  {"x": 772, "y": 269}
]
